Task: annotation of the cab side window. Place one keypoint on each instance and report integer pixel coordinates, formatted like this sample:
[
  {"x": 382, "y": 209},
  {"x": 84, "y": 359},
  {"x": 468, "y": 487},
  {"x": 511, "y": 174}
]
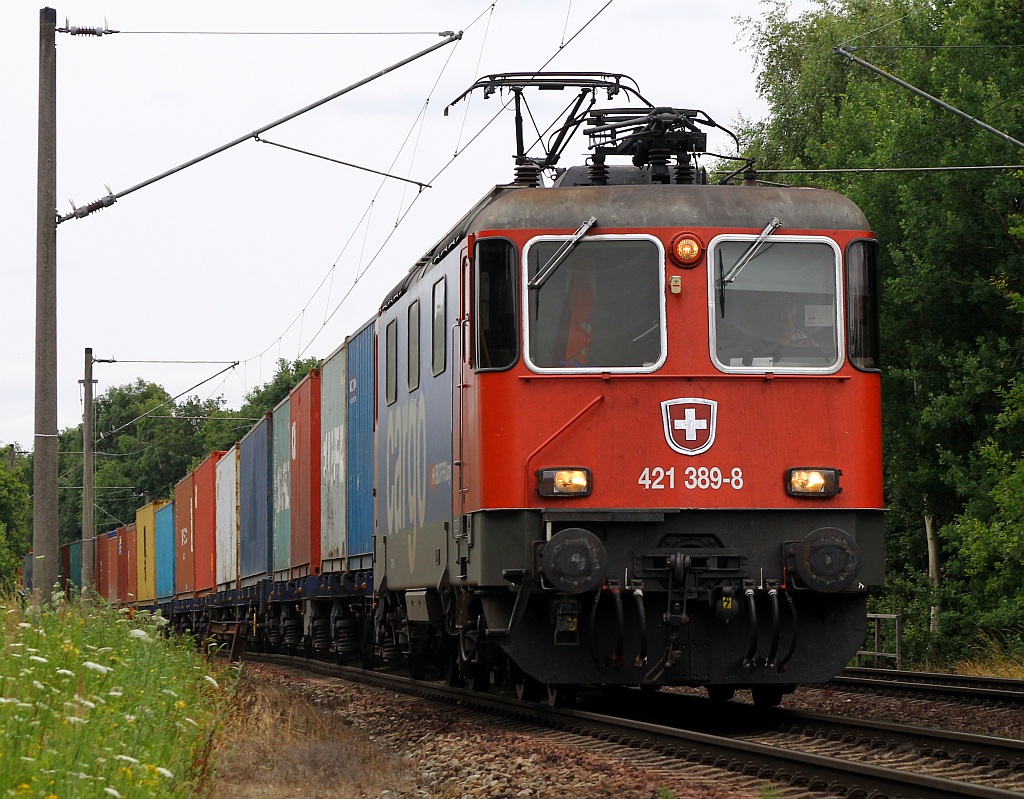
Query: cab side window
[{"x": 497, "y": 331}]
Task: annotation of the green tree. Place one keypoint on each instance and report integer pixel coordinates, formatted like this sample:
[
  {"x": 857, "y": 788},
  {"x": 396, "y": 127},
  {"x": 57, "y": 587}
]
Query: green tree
[
  {"x": 15, "y": 518},
  {"x": 951, "y": 264}
]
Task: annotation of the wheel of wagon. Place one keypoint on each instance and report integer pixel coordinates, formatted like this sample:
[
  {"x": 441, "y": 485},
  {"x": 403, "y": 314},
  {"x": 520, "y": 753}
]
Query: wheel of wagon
[
  {"x": 563, "y": 695},
  {"x": 529, "y": 689},
  {"x": 454, "y": 670},
  {"x": 766, "y": 695},
  {"x": 480, "y": 677},
  {"x": 366, "y": 654},
  {"x": 417, "y": 662},
  {"x": 720, "y": 693}
]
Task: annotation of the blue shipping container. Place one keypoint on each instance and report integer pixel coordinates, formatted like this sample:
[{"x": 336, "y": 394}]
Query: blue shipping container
[
  {"x": 360, "y": 448},
  {"x": 165, "y": 554},
  {"x": 256, "y": 502}
]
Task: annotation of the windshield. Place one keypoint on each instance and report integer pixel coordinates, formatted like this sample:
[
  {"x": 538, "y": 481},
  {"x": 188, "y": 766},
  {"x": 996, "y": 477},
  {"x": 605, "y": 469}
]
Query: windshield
[
  {"x": 780, "y": 313},
  {"x": 600, "y": 310}
]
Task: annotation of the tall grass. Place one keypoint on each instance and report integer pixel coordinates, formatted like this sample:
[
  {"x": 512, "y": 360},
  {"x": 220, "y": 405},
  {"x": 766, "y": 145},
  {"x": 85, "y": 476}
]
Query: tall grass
[{"x": 96, "y": 704}]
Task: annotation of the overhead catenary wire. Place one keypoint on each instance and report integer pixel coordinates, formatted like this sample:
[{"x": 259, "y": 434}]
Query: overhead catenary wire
[
  {"x": 445, "y": 167},
  {"x": 367, "y": 214},
  {"x": 869, "y": 169},
  {"x": 165, "y": 402},
  {"x": 342, "y": 163},
  {"x": 112, "y": 197}
]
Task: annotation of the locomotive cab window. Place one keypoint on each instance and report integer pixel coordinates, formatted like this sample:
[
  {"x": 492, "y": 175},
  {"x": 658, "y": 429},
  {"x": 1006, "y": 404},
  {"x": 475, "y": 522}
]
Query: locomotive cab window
[
  {"x": 862, "y": 304},
  {"x": 391, "y": 354},
  {"x": 439, "y": 335},
  {"x": 779, "y": 311},
  {"x": 599, "y": 308},
  {"x": 496, "y": 333},
  {"x": 414, "y": 346}
]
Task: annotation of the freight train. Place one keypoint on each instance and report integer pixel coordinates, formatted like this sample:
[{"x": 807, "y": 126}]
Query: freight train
[{"x": 622, "y": 429}]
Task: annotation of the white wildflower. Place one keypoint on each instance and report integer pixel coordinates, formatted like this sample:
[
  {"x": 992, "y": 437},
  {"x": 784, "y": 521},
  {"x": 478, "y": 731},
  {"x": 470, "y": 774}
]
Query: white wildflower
[
  {"x": 75, "y": 720},
  {"x": 96, "y": 667},
  {"x": 169, "y": 692},
  {"x": 31, "y": 650},
  {"x": 210, "y": 680},
  {"x": 4, "y": 700},
  {"x": 164, "y": 772},
  {"x": 38, "y": 659},
  {"x": 116, "y": 691},
  {"x": 129, "y": 718},
  {"x": 17, "y": 645},
  {"x": 24, "y": 625},
  {"x": 65, "y": 673},
  {"x": 193, "y": 722},
  {"x": 126, "y": 758},
  {"x": 105, "y": 649},
  {"x": 39, "y": 685},
  {"x": 85, "y": 702},
  {"x": 28, "y": 759},
  {"x": 141, "y": 634},
  {"x": 113, "y": 792},
  {"x": 25, "y": 705}
]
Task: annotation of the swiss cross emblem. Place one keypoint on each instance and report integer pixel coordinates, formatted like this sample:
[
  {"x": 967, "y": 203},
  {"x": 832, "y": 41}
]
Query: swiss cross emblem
[{"x": 690, "y": 424}]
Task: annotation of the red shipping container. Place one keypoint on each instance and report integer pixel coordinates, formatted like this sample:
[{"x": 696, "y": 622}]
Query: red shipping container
[
  {"x": 113, "y": 582},
  {"x": 204, "y": 523},
  {"x": 184, "y": 546},
  {"x": 305, "y": 474},
  {"x": 130, "y": 561},
  {"x": 123, "y": 567},
  {"x": 100, "y": 571}
]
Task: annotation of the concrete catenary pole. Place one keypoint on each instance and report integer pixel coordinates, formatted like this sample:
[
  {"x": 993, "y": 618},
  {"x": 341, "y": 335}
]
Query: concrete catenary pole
[
  {"x": 44, "y": 459},
  {"x": 88, "y": 514}
]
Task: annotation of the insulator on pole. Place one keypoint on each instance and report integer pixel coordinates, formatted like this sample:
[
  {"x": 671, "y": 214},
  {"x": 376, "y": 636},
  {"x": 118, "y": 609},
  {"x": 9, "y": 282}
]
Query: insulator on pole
[
  {"x": 79, "y": 30},
  {"x": 93, "y": 207}
]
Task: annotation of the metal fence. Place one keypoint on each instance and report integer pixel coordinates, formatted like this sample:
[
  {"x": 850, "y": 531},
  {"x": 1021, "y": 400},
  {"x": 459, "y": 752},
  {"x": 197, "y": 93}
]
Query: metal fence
[{"x": 878, "y": 657}]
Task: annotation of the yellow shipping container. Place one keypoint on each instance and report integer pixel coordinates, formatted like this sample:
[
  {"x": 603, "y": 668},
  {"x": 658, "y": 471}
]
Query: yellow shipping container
[{"x": 145, "y": 527}]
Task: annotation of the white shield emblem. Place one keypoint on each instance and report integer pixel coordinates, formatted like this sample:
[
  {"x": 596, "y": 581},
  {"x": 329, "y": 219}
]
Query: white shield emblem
[{"x": 690, "y": 424}]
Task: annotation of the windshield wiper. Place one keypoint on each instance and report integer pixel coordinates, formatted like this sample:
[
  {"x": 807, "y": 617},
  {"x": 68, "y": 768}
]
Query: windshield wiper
[
  {"x": 750, "y": 252},
  {"x": 560, "y": 255}
]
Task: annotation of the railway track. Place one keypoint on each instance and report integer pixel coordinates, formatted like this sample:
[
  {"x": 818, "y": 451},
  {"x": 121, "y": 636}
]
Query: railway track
[
  {"x": 817, "y": 754},
  {"x": 952, "y": 686}
]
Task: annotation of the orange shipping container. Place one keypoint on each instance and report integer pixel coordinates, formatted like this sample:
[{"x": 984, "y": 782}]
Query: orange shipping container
[
  {"x": 184, "y": 546},
  {"x": 306, "y": 457},
  {"x": 204, "y": 523}
]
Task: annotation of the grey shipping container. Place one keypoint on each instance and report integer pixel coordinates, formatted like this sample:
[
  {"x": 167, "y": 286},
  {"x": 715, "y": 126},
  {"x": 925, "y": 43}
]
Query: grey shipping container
[
  {"x": 333, "y": 495},
  {"x": 227, "y": 520},
  {"x": 282, "y": 530}
]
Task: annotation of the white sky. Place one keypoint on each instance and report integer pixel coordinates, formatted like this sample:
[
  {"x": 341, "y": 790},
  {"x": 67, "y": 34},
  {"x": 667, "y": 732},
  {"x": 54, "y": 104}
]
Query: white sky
[{"x": 217, "y": 262}]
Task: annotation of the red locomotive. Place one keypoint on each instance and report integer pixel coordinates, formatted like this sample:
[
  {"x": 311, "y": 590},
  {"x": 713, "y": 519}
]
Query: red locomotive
[{"x": 628, "y": 426}]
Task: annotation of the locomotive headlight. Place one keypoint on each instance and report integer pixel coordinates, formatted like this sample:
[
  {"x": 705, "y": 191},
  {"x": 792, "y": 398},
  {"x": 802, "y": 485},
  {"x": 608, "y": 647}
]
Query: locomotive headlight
[
  {"x": 562, "y": 482},
  {"x": 804, "y": 482}
]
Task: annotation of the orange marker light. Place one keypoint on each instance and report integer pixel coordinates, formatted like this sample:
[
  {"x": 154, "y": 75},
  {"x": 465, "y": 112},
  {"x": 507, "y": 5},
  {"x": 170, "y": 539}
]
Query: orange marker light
[{"x": 687, "y": 250}]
